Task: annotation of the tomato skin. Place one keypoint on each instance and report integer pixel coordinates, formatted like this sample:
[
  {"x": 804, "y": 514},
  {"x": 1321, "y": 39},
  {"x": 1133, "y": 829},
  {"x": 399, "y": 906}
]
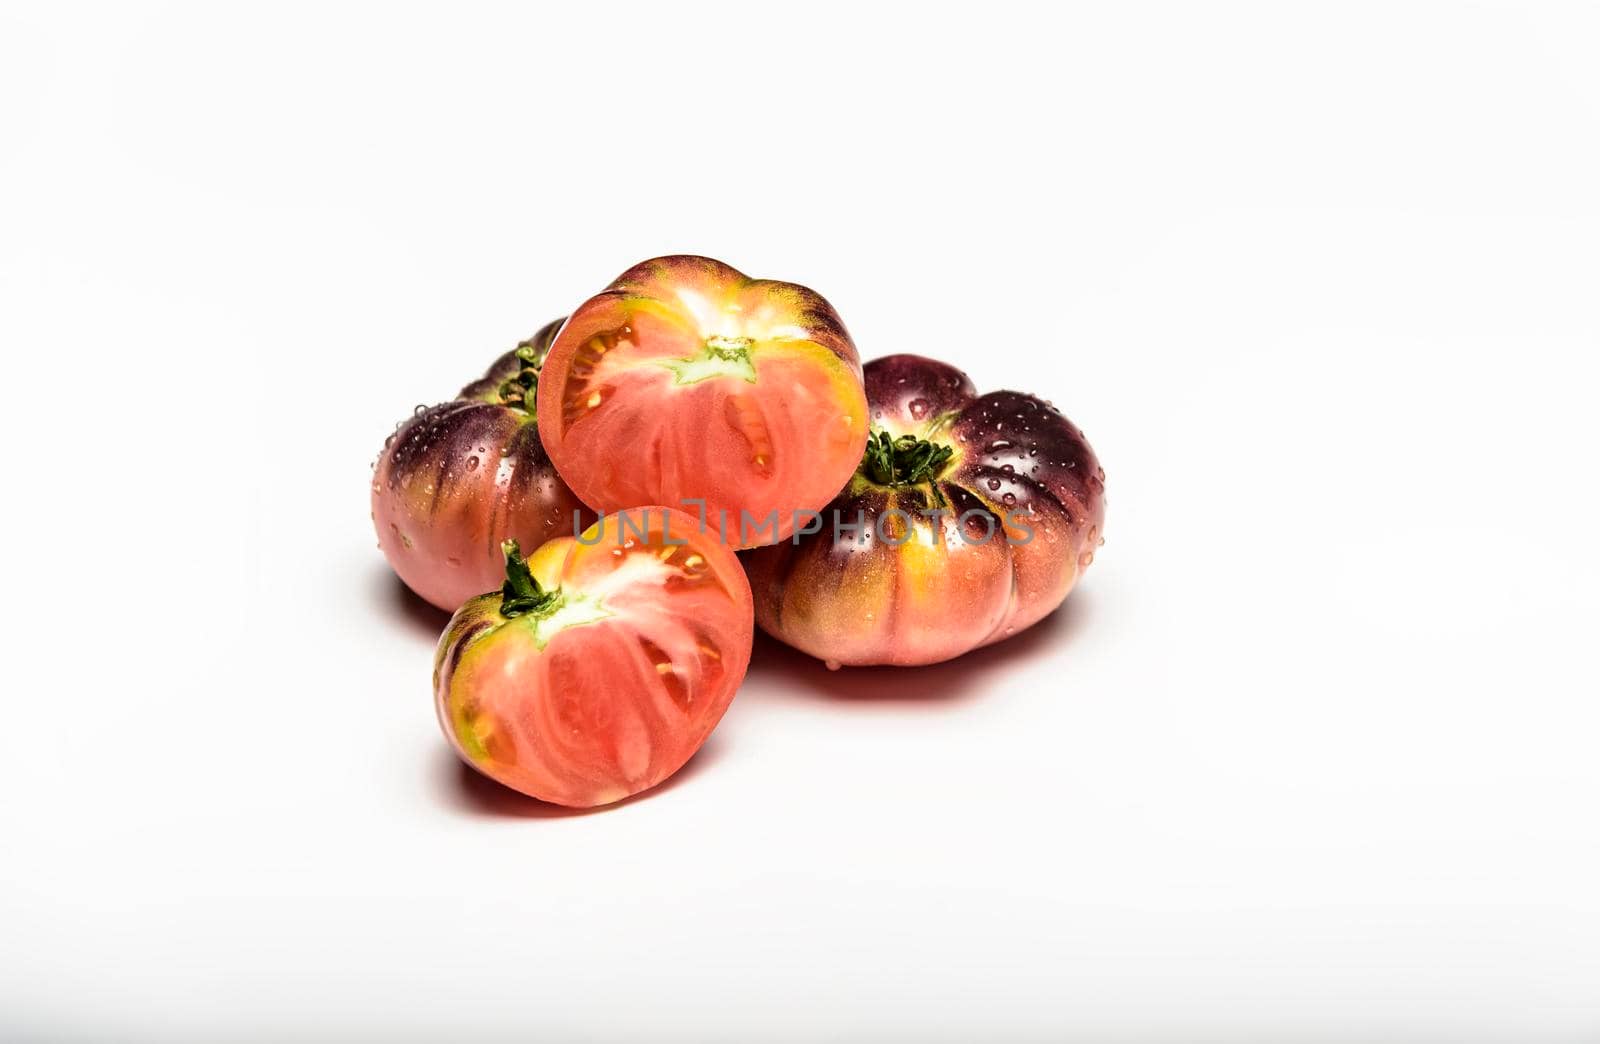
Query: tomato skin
[
  {"x": 1018, "y": 467},
  {"x": 686, "y": 380},
  {"x": 613, "y": 687},
  {"x": 456, "y": 480}
]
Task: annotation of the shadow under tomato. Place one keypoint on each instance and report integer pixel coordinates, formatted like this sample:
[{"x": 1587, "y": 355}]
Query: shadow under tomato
[
  {"x": 964, "y": 677},
  {"x": 399, "y": 603},
  {"x": 470, "y": 791}
]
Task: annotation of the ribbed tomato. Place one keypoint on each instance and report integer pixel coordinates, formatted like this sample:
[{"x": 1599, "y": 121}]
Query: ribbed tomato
[
  {"x": 969, "y": 518},
  {"x": 688, "y": 381},
  {"x": 602, "y": 664},
  {"x": 456, "y": 480}
]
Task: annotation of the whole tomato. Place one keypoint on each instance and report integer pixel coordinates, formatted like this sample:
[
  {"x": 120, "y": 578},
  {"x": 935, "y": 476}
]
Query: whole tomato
[
  {"x": 686, "y": 381},
  {"x": 456, "y": 480},
  {"x": 602, "y": 664},
  {"x": 969, "y": 518}
]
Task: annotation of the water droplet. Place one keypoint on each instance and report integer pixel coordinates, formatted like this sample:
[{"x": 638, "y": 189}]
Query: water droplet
[
  {"x": 994, "y": 484},
  {"x": 1009, "y": 500},
  {"x": 1007, "y": 468},
  {"x": 832, "y": 665},
  {"x": 472, "y": 463},
  {"x": 419, "y": 411},
  {"x": 918, "y": 408},
  {"x": 1085, "y": 559}
]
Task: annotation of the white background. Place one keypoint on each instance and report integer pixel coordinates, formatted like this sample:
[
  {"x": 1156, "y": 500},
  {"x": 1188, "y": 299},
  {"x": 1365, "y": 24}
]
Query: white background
[{"x": 1310, "y": 757}]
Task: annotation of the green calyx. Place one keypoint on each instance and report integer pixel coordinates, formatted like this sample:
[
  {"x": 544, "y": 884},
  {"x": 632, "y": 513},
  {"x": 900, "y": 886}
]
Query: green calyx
[
  {"x": 544, "y": 614},
  {"x": 906, "y": 461},
  {"x": 522, "y": 389},
  {"x": 521, "y": 593}
]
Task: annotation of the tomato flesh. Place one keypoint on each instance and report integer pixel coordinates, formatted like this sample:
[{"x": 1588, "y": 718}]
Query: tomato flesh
[{"x": 612, "y": 686}]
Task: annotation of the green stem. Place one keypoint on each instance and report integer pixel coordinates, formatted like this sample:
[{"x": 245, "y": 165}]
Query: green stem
[
  {"x": 905, "y": 461},
  {"x": 523, "y": 389},
  {"x": 521, "y": 593}
]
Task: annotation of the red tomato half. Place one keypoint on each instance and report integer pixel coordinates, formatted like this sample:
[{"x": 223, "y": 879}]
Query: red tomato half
[
  {"x": 455, "y": 481},
  {"x": 602, "y": 664},
  {"x": 970, "y": 518},
  {"x": 686, "y": 380}
]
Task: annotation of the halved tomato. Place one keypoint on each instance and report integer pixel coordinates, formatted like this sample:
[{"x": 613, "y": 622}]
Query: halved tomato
[
  {"x": 603, "y": 663},
  {"x": 686, "y": 381}
]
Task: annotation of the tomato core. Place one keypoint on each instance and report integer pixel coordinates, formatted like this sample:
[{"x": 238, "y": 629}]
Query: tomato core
[{"x": 721, "y": 357}]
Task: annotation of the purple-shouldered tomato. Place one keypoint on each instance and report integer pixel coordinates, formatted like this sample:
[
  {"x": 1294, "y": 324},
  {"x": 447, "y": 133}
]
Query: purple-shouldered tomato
[
  {"x": 455, "y": 481},
  {"x": 969, "y": 518}
]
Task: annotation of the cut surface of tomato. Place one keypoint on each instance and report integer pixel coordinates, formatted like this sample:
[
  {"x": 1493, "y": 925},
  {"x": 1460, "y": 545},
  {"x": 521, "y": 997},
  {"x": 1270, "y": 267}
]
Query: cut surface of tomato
[
  {"x": 688, "y": 384},
  {"x": 604, "y": 662}
]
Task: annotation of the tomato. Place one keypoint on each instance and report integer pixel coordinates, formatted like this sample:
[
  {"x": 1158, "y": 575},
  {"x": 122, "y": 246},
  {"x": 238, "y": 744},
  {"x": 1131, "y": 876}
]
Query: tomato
[
  {"x": 604, "y": 661},
  {"x": 687, "y": 381},
  {"x": 969, "y": 519},
  {"x": 456, "y": 480}
]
